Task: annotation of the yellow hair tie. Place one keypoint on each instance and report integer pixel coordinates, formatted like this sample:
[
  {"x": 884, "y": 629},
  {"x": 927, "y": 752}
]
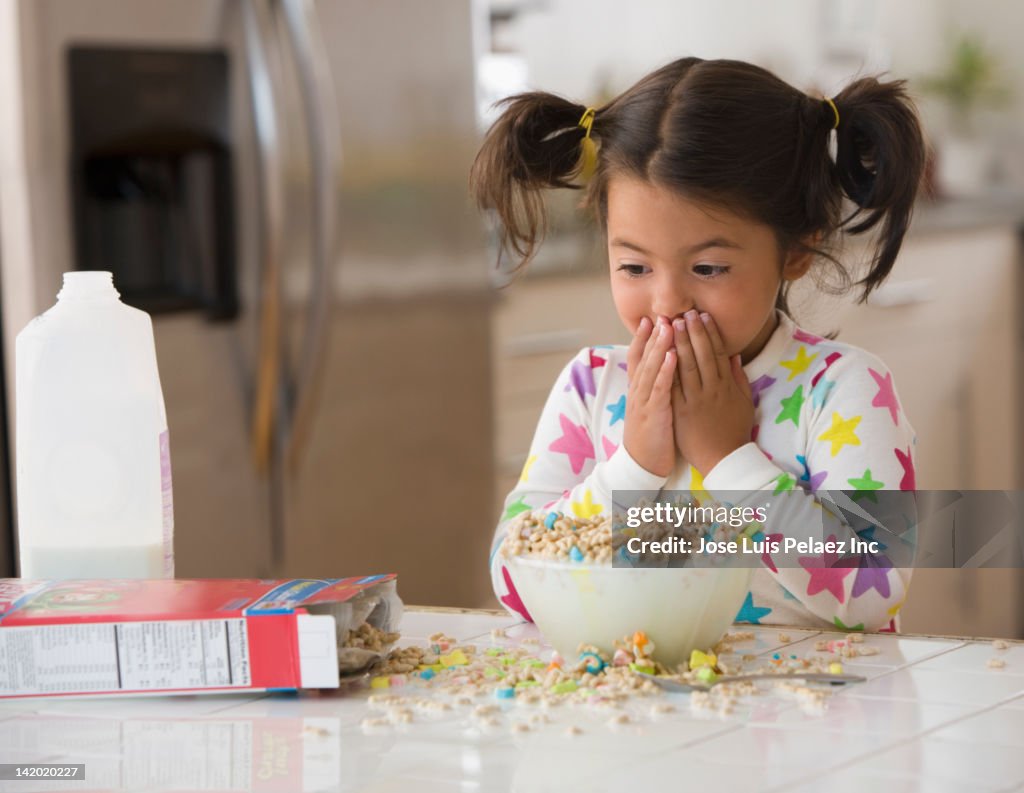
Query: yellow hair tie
[
  {"x": 835, "y": 110},
  {"x": 588, "y": 156}
]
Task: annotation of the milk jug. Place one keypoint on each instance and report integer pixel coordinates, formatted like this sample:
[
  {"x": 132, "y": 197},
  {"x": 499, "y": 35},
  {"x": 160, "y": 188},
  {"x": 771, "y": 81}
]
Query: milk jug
[{"x": 92, "y": 454}]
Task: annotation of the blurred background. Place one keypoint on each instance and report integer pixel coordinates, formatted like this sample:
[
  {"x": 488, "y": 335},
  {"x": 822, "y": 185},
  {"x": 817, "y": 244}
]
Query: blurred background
[{"x": 352, "y": 378}]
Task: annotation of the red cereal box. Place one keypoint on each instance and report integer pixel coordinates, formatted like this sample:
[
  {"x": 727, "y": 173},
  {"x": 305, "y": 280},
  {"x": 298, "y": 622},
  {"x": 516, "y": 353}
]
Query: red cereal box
[{"x": 131, "y": 636}]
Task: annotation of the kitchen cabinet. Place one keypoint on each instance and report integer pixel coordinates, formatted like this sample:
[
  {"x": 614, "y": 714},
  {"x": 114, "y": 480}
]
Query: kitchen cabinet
[
  {"x": 539, "y": 325},
  {"x": 948, "y": 325}
]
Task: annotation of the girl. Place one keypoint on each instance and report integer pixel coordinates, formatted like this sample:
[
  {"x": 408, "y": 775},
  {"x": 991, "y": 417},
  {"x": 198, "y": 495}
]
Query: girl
[{"x": 714, "y": 183}]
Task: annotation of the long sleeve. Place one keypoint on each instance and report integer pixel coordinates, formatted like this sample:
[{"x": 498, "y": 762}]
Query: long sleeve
[
  {"x": 856, "y": 441},
  {"x": 575, "y": 461}
]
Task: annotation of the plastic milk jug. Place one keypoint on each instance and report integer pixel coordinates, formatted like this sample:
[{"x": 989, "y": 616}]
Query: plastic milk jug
[{"x": 92, "y": 455}]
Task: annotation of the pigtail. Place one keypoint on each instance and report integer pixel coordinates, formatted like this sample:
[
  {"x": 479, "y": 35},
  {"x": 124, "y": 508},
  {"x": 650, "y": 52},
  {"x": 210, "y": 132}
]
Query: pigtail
[
  {"x": 880, "y": 157},
  {"x": 534, "y": 145}
]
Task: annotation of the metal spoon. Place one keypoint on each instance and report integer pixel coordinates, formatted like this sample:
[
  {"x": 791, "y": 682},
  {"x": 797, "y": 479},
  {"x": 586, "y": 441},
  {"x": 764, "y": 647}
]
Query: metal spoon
[{"x": 808, "y": 677}]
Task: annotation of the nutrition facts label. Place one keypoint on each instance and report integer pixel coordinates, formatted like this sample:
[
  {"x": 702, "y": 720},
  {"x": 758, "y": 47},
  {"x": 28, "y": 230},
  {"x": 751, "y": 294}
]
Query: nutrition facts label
[{"x": 127, "y": 656}]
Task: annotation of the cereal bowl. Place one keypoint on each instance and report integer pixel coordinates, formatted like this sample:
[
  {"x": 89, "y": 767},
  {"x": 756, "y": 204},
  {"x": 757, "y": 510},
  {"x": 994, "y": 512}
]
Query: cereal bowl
[{"x": 680, "y": 608}]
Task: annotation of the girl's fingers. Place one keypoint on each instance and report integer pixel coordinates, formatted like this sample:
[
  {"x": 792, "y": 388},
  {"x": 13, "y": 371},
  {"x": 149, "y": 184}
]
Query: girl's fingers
[
  {"x": 637, "y": 345},
  {"x": 661, "y": 340},
  {"x": 741, "y": 377},
  {"x": 717, "y": 345},
  {"x": 689, "y": 372},
  {"x": 707, "y": 363},
  {"x": 662, "y": 389}
]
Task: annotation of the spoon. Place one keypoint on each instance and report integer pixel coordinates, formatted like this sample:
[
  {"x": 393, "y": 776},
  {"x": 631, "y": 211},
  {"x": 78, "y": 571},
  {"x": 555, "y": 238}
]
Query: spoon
[{"x": 808, "y": 677}]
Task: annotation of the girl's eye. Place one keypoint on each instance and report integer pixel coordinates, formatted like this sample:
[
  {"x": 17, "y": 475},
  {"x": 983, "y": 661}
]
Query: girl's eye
[
  {"x": 633, "y": 270},
  {"x": 710, "y": 270}
]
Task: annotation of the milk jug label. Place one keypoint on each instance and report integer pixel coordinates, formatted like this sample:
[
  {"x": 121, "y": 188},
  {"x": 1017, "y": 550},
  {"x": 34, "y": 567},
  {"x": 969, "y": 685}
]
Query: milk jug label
[{"x": 168, "y": 503}]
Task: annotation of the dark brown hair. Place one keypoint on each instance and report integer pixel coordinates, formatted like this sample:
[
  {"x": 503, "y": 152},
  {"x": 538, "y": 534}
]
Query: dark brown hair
[{"x": 726, "y": 133}]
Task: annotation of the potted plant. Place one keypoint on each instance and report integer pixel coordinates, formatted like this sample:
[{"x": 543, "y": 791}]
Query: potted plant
[{"x": 970, "y": 83}]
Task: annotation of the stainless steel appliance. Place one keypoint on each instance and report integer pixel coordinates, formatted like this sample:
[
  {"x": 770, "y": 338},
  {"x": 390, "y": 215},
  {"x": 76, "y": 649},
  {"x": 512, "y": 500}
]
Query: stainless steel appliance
[{"x": 341, "y": 423}]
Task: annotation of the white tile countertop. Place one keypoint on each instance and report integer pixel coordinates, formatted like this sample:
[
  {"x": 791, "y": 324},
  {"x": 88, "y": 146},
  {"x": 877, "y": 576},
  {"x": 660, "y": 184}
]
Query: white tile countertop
[{"x": 932, "y": 716}]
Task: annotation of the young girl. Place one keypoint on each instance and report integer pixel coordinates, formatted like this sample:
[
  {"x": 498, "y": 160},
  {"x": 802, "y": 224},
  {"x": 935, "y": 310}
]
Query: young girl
[{"x": 715, "y": 185}]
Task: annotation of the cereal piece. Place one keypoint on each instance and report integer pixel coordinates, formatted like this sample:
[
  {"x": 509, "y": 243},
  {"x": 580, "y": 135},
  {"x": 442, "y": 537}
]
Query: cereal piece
[
  {"x": 591, "y": 662},
  {"x": 999, "y": 644},
  {"x": 520, "y": 726},
  {"x": 784, "y": 638},
  {"x": 400, "y": 716},
  {"x": 835, "y": 668},
  {"x": 375, "y": 726},
  {"x": 868, "y": 650},
  {"x": 619, "y": 720},
  {"x": 505, "y": 692},
  {"x": 699, "y": 659},
  {"x": 706, "y": 675},
  {"x": 498, "y": 633},
  {"x": 647, "y": 669},
  {"x": 427, "y": 673},
  {"x": 396, "y": 680},
  {"x": 379, "y": 682},
  {"x": 855, "y": 638},
  {"x": 455, "y": 658},
  {"x": 661, "y": 708},
  {"x": 996, "y": 663},
  {"x": 572, "y": 731},
  {"x": 488, "y": 722}
]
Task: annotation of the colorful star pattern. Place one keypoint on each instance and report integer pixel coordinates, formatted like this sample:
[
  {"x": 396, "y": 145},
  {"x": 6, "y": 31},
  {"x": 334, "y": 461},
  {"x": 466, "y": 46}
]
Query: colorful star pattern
[
  {"x": 863, "y": 485},
  {"x": 511, "y": 597},
  {"x": 750, "y": 613},
  {"x": 823, "y": 576},
  {"x": 861, "y": 437},
  {"x": 618, "y": 410},
  {"x": 813, "y": 480},
  {"x": 799, "y": 363},
  {"x": 587, "y": 508},
  {"x": 807, "y": 338},
  {"x": 574, "y": 442},
  {"x": 581, "y": 379},
  {"x": 791, "y": 407},
  {"x": 783, "y": 483},
  {"x": 907, "y": 464},
  {"x": 820, "y": 392},
  {"x": 760, "y": 384},
  {"x": 872, "y": 573},
  {"x": 515, "y": 508},
  {"x": 841, "y": 433},
  {"x": 829, "y": 360}
]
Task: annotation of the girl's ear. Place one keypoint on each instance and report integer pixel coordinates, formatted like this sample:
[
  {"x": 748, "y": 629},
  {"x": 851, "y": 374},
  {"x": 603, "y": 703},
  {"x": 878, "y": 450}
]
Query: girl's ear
[{"x": 799, "y": 259}]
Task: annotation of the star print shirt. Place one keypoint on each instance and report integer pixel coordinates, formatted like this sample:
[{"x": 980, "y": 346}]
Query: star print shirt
[{"x": 827, "y": 418}]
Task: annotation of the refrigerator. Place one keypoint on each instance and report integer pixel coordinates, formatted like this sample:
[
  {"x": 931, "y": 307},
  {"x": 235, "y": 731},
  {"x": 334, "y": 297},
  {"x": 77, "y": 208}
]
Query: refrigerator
[{"x": 282, "y": 185}]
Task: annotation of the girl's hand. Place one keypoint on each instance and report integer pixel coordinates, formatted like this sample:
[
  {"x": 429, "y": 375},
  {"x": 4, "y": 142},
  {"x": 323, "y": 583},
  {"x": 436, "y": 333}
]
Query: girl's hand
[
  {"x": 651, "y": 367},
  {"x": 712, "y": 402}
]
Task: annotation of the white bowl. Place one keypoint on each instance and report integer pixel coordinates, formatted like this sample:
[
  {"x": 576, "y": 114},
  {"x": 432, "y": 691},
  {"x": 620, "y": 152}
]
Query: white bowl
[{"x": 680, "y": 609}]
